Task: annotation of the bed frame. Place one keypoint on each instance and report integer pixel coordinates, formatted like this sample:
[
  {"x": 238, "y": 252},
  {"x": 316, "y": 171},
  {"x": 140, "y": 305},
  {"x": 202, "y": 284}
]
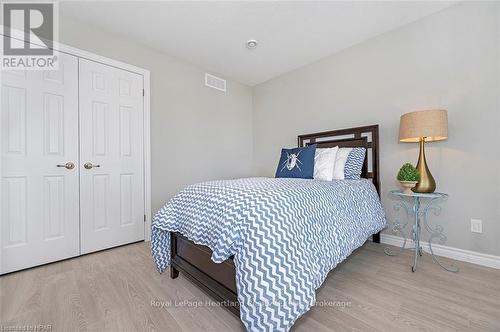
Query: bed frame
[{"x": 219, "y": 280}]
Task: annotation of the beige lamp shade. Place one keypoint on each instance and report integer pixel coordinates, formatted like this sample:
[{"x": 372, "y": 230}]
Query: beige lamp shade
[{"x": 432, "y": 125}]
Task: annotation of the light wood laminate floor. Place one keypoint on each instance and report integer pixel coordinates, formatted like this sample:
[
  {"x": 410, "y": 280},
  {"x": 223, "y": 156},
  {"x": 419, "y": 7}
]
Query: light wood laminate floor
[{"x": 113, "y": 290}]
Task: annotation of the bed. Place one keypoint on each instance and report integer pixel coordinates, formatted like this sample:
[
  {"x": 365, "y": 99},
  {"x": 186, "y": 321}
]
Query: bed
[{"x": 242, "y": 241}]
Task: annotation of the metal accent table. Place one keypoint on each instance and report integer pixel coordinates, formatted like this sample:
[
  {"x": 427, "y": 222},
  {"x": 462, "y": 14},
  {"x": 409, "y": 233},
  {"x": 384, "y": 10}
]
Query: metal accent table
[{"x": 419, "y": 211}]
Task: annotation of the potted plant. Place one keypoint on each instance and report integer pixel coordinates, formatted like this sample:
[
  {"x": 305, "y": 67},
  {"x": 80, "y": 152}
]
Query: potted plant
[{"x": 408, "y": 177}]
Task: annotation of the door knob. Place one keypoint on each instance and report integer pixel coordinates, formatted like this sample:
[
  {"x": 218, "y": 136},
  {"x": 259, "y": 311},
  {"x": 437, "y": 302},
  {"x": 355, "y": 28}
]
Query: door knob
[
  {"x": 90, "y": 166},
  {"x": 68, "y": 165}
]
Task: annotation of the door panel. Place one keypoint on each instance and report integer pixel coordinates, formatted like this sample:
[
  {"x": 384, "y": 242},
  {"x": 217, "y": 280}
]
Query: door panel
[
  {"x": 111, "y": 140},
  {"x": 39, "y": 201}
]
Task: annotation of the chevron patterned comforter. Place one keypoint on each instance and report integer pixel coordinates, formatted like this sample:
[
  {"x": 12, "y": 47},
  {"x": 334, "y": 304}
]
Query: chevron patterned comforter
[{"x": 285, "y": 235}]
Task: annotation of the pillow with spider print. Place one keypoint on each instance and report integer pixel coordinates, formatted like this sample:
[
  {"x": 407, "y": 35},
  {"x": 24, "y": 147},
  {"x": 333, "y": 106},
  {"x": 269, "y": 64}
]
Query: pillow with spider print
[{"x": 297, "y": 163}]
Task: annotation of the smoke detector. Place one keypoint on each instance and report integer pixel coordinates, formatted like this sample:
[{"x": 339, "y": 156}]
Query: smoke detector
[{"x": 252, "y": 44}]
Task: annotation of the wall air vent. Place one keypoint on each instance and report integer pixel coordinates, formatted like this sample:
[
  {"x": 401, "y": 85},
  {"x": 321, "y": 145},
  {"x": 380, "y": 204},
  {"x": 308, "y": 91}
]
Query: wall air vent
[{"x": 215, "y": 82}]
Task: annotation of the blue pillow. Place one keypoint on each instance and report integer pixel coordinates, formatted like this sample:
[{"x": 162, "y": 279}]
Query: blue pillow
[
  {"x": 354, "y": 164},
  {"x": 297, "y": 163}
]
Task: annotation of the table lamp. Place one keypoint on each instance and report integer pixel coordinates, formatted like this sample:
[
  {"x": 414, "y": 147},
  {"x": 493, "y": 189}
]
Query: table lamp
[{"x": 424, "y": 126}]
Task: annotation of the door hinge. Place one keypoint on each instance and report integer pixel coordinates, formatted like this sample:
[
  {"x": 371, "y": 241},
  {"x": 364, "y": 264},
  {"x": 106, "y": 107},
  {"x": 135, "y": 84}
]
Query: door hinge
[
  {"x": 144, "y": 218},
  {"x": 143, "y": 92}
]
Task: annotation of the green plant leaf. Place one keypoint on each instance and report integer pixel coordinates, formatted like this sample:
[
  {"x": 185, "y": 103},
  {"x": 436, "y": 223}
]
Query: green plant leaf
[{"x": 408, "y": 172}]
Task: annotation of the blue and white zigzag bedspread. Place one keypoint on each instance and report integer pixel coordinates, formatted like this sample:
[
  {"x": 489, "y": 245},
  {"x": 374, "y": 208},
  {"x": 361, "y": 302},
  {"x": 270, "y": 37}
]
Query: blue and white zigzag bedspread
[{"x": 285, "y": 235}]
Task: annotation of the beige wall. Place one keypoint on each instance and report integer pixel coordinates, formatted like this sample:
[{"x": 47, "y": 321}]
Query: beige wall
[
  {"x": 451, "y": 60},
  {"x": 197, "y": 133}
]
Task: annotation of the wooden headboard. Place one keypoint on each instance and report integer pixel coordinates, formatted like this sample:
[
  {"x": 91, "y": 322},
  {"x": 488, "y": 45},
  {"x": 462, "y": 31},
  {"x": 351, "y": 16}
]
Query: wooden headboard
[{"x": 366, "y": 137}]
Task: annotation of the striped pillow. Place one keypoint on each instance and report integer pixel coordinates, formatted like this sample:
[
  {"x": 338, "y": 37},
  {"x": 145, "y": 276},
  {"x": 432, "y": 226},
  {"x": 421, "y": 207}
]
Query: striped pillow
[{"x": 354, "y": 164}]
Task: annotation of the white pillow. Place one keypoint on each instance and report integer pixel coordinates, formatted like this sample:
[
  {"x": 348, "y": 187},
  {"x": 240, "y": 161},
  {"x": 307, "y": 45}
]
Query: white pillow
[
  {"x": 340, "y": 160},
  {"x": 324, "y": 162}
]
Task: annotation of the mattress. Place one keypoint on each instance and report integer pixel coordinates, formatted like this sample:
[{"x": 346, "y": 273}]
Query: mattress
[{"x": 285, "y": 236}]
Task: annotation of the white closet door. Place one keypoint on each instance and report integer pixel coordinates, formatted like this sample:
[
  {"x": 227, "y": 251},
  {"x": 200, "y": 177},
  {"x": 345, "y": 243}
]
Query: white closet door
[
  {"x": 39, "y": 201},
  {"x": 111, "y": 146}
]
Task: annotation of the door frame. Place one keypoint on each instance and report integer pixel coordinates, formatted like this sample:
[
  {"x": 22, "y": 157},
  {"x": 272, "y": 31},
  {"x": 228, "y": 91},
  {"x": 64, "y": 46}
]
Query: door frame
[{"x": 59, "y": 47}]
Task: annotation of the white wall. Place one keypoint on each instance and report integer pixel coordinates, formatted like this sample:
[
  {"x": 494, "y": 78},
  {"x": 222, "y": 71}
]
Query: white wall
[
  {"x": 450, "y": 60},
  {"x": 197, "y": 133}
]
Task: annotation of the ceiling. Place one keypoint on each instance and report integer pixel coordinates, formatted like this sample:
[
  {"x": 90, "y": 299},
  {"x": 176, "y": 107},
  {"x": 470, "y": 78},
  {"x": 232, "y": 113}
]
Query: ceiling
[{"x": 212, "y": 35}]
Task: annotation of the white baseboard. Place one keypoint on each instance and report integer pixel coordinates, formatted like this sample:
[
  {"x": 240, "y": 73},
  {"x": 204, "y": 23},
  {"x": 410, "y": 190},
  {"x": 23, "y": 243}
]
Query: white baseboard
[{"x": 445, "y": 251}]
